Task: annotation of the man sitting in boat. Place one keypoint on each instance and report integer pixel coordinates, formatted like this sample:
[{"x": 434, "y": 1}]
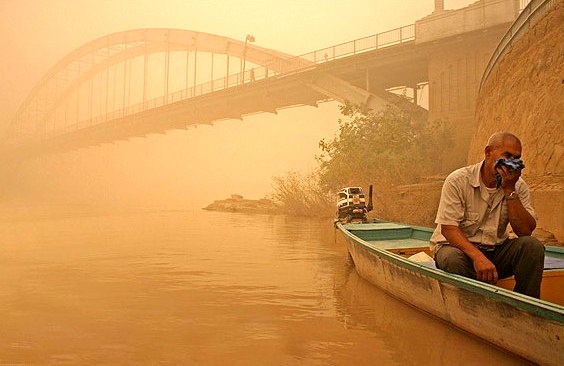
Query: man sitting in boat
[{"x": 477, "y": 204}]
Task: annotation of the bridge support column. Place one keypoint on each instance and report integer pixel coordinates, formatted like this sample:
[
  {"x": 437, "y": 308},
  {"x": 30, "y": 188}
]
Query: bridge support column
[
  {"x": 227, "y": 74},
  {"x": 166, "y": 76},
  {"x": 342, "y": 91},
  {"x": 145, "y": 74},
  {"x": 195, "y": 70},
  {"x": 211, "y": 71},
  {"x": 124, "y": 81}
]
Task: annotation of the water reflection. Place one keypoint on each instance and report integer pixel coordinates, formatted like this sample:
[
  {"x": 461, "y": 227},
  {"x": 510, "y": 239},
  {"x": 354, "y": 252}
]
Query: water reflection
[
  {"x": 412, "y": 337},
  {"x": 84, "y": 286}
]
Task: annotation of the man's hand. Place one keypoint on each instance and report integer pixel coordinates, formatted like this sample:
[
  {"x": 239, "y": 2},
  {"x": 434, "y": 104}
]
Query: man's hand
[
  {"x": 509, "y": 178},
  {"x": 522, "y": 222},
  {"x": 485, "y": 269}
]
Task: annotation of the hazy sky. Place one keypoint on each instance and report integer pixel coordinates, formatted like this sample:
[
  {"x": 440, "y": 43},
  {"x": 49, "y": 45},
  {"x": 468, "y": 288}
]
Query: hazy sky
[{"x": 35, "y": 34}]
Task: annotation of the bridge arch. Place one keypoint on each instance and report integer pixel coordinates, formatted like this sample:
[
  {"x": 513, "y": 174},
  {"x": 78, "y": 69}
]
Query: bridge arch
[
  {"x": 79, "y": 103},
  {"x": 95, "y": 57}
]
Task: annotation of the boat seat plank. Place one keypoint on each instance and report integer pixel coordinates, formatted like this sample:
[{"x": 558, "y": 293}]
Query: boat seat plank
[
  {"x": 375, "y": 226},
  {"x": 550, "y": 263},
  {"x": 553, "y": 263},
  {"x": 399, "y": 244}
]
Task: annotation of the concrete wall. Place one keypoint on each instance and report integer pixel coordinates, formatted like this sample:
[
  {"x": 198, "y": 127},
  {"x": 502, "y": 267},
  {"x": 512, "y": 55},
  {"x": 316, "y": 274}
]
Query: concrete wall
[
  {"x": 524, "y": 94},
  {"x": 479, "y": 15}
]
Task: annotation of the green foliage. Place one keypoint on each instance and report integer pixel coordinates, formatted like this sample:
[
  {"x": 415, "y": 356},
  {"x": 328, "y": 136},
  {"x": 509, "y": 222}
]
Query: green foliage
[{"x": 384, "y": 148}]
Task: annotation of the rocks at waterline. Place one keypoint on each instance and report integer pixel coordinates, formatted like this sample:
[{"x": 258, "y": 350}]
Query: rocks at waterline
[{"x": 236, "y": 203}]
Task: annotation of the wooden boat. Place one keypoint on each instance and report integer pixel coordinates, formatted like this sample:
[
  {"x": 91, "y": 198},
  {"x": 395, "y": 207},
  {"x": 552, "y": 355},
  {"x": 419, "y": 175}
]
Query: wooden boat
[{"x": 396, "y": 258}]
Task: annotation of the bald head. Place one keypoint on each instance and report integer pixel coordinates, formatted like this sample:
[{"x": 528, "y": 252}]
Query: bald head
[{"x": 498, "y": 139}]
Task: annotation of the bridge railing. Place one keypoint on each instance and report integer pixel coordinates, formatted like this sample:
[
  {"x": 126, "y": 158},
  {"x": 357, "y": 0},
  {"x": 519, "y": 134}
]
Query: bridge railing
[
  {"x": 287, "y": 67},
  {"x": 380, "y": 40}
]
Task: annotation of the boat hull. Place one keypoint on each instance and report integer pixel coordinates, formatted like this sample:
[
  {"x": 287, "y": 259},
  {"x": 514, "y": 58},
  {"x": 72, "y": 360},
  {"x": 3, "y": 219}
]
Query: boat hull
[{"x": 531, "y": 328}]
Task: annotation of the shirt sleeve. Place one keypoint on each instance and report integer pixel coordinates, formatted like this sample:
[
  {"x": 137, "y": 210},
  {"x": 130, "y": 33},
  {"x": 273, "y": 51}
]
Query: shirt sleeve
[
  {"x": 451, "y": 205},
  {"x": 525, "y": 197}
]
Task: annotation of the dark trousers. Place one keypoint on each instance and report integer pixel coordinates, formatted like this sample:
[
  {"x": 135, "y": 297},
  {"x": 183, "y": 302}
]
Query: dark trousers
[{"x": 522, "y": 257}]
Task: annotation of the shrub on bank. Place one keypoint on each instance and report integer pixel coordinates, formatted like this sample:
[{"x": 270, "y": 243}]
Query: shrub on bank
[{"x": 302, "y": 195}]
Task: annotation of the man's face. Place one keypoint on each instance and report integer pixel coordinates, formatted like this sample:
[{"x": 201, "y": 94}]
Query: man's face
[{"x": 510, "y": 149}]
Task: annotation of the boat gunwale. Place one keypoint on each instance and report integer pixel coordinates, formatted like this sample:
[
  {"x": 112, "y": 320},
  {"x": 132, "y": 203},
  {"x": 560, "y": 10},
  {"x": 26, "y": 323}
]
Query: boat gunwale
[{"x": 535, "y": 306}]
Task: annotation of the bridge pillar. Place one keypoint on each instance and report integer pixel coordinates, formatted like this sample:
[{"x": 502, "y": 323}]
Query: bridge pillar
[
  {"x": 454, "y": 76},
  {"x": 342, "y": 91},
  {"x": 460, "y": 44}
]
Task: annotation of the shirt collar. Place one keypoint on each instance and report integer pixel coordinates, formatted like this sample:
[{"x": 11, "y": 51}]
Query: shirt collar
[
  {"x": 475, "y": 177},
  {"x": 476, "y": 182}
]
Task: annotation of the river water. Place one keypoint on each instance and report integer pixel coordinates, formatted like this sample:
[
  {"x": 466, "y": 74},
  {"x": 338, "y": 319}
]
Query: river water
[{"x": 89, "y": 286}]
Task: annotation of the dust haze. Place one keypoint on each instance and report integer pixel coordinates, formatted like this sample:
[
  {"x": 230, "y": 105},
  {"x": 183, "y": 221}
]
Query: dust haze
[{"x": 182, "y": 167}]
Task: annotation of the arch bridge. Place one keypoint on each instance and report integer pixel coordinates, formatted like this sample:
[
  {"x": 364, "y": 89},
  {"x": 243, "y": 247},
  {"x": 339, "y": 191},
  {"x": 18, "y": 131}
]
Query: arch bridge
[{"x": 144, "y": 81}]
